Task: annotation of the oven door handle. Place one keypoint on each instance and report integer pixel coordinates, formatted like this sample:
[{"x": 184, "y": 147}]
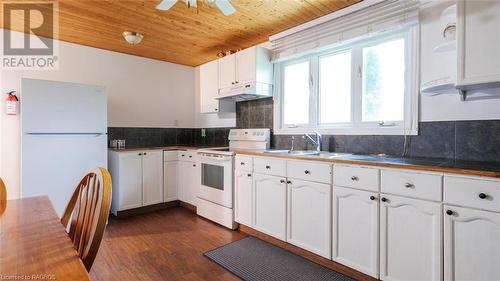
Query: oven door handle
[{"x": 223, "y": 158}]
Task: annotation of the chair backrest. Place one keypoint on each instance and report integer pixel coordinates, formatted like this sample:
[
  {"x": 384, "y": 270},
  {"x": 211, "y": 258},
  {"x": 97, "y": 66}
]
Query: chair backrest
[
  {"x": 87, "y": 212},
  {"x": 3, "y": 197}
]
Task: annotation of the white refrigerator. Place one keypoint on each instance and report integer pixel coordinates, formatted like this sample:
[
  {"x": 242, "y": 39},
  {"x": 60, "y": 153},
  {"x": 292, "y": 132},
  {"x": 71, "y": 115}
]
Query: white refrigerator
[{"x": 63, "y": 129}]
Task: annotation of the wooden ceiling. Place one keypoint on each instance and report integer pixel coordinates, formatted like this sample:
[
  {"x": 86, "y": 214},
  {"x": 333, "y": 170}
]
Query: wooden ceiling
[{"x": 181, "y": 35}]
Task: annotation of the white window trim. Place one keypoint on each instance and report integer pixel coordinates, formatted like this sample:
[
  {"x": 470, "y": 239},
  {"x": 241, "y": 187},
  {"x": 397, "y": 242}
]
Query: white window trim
[{"x": 411, "y": 102}]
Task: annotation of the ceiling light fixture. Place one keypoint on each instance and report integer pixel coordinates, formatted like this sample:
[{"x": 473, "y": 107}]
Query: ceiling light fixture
[{"x": 133, "y": 38}]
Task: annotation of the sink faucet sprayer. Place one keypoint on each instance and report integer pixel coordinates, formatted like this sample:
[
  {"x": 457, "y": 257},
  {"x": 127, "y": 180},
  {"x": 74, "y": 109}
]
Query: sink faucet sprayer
[{"x": 317, "y": 142}]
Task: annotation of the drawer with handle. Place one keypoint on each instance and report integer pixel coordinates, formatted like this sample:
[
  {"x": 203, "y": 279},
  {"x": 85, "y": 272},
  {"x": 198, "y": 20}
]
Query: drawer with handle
[
  {"x": 472, "y": 192},
  {"x": 243, "y": 163},
  {"x": 359, "y": 177},
  {"x": 269, "y": 166},
  {"x": 188, "y": 155},
  {"x": 412, "y": 184},
  {"x": 309, "y": 171}
]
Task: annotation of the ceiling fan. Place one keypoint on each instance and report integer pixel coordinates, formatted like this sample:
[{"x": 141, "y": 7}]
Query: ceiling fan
[{"x": 224, "y": 5}]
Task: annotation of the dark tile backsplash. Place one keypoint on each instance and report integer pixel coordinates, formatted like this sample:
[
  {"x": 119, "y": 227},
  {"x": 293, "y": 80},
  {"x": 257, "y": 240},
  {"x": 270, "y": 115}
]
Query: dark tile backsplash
[
  {"x": 461, "y": 140},
  {"x": 149, "y": 137}
]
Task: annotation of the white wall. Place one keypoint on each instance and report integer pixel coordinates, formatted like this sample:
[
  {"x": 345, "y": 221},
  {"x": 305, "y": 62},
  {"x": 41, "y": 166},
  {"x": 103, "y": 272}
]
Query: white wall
[
  {"x": 141, "y": 93},
  {"x": 436, "y": 65}
]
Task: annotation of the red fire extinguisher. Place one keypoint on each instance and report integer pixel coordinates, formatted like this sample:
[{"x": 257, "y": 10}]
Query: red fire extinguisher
[{"x": 12, "y": 101}]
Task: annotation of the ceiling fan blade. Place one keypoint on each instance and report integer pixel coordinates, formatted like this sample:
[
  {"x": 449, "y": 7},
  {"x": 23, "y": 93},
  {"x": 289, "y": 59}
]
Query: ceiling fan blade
[
  {"x": 165, "y": 5},
  {"x": 225, "y": 7}
]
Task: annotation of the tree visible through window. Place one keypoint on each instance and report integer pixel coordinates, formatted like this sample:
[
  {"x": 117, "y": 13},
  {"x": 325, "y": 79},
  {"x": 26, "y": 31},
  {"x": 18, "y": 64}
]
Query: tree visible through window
[
  {"x": 360, "y": 87},
  {"x": 384, "y": 81}
]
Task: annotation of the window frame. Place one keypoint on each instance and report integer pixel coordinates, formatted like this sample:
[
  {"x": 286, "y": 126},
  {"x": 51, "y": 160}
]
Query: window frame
[{"x": 409, "y": 125}]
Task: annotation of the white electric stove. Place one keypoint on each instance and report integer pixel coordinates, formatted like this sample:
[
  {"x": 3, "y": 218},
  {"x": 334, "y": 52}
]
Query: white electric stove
[{"x": 215, "y": 197}]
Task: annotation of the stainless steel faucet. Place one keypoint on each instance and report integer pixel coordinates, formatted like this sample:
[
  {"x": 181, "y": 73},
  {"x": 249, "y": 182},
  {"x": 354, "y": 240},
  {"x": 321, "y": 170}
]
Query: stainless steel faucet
[{"x": 317, "y": 142}]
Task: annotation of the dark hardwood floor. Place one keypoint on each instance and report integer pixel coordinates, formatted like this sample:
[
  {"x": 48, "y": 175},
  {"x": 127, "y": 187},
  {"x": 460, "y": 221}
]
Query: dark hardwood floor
[{"x": 163, "y": 245}]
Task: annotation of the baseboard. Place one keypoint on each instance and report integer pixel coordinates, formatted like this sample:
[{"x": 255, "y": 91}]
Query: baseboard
[
  {"x": 146, "y": 209},
  {"x": 188, "y": 206},
  {"x": 308, "y": 255}
]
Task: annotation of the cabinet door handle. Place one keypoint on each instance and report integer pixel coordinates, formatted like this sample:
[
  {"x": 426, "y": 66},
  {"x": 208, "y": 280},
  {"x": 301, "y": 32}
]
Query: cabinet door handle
[
  {"x": 242, "y": 163},
  {"x": 236, "y": 82},
  {"x": 232, "y": 83},
  {"x": 307, "y": 172},
  {"x": 194, "y": 165},
  {"x": 354, "y": 178},
  {"x": 140, "y": 154},
  {"x": 268, "y": 167},
  {"x": 282, "y": 181},
  {"x": 383, "y": 199},
  {"x": 483, "y": 195},
  {"x": 372, "y": 198},
  {"x": 144, "y": 153},
  {"x": 183, "y": 155},
  {"x": 288, "y": 182},
  {"x": 216, "y": 109},
  {"x": 249, "y": 175},
  {"x": 409, "y": 185},
  {"x": 449, "y": 212},
  {"x": 190, "y": 156}
]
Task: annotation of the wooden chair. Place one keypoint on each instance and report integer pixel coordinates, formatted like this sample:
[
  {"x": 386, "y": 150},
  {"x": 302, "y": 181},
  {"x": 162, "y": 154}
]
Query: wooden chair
[
  {"x": 87, "y": 212},
  {"x": 3, "y": 196}
]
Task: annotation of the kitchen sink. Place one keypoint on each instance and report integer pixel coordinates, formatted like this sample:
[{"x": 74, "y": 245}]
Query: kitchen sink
[{"x": 293, "y": 152}]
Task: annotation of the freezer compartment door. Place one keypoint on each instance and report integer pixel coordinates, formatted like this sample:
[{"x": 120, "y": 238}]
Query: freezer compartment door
[
  {"x": 59, "y": 107},
  {"x": 53, "y": 164}
]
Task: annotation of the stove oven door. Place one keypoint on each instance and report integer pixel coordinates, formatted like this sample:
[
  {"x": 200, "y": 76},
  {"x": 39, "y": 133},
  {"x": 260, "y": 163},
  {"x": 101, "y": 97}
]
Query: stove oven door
[{"x": 217, "y": 179}]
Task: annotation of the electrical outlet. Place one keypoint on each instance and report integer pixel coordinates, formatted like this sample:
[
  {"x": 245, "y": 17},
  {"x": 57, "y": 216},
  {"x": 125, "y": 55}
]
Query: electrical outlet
[{"x": 203, "y": 133}]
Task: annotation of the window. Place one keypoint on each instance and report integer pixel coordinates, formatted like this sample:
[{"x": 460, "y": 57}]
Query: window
[
  {"x": 335, "y": 88},
  {"x": 296, "y": 87},
  {"x": 364, "y": 87},
  {"x": 384, "y": 81}
]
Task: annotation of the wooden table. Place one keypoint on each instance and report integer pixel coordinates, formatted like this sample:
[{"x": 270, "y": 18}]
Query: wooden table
[{"x": 34, "y": 244}]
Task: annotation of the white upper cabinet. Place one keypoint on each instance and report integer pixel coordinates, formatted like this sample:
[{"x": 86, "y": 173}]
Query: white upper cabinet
[
  {"x": 410, "y": 239},
  {"x": 309, "y": 221},
  {"x": 471, "y": 245},
  {"x": 245, "y": 65},
  {"x": 209, "y": 87},
  {"x": 209, "y": 90},
  {"x": 251, "y": 65},
  {"x": 478, "y": 38},
  {"x": 227, "y": 71},
  {"x": 355, "y": 229}
]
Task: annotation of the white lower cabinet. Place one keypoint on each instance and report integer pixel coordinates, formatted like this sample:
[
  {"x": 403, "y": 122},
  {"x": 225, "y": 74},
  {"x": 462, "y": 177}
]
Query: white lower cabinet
[
  {"x": 170, "y": 175},
  {"x": 243, "y": 194},
  {"x": 308, "y": 216},
  {"x": 471, "y": 244},
  {"x": 137, "y": 179},
  {"x": 126, "y": 171},
  {"x": 410, "y": 239},
  {"x": 270, "y": 205},
  {"x": 356, "y": 229},
  {"x": 189, "y": 181},
  {"x": 152, "y": 178}
]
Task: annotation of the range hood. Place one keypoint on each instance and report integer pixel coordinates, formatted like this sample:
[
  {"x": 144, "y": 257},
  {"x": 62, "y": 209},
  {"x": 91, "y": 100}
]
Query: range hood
[{"x": 246, "y": 91}]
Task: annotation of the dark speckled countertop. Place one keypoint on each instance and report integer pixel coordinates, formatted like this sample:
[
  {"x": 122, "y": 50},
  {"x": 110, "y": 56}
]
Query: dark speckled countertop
[{"x": 487, "y": 169}]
